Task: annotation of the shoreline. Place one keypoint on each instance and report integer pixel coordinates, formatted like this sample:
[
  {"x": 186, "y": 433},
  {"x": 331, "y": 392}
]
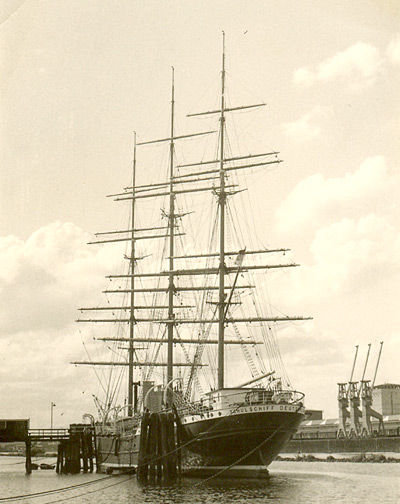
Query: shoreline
[{"x": 368, "y": 457}]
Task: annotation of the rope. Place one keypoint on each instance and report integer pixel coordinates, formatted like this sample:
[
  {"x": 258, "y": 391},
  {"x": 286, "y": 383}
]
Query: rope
[
  {"x": 236, "y": 462},
  {"x": 82, "y": 485},
  {"x": 50, "y": 492},
  {"x": 92, "y": 491}
]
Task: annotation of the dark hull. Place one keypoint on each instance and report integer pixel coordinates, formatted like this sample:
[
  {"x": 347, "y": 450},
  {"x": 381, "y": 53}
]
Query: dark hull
[
  {"x": 246, "y": 439},
  {"x": 249, "y": 438}
]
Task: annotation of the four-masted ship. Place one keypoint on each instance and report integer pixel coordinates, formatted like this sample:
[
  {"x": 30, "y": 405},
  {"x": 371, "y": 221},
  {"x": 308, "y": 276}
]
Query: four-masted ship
[{"x": 183, "y": 318}]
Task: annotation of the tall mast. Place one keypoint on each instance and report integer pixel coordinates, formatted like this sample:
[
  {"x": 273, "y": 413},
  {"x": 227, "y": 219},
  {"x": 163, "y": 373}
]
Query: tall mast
[
  {"x": 171, "y": 224},
  {"x": 132, "y": 286},
  {"x": 222, "y": 201}
]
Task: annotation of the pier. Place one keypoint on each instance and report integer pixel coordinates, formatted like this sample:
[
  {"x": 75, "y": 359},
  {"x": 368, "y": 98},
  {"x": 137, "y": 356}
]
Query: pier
[{"x": 75, "y": 444}]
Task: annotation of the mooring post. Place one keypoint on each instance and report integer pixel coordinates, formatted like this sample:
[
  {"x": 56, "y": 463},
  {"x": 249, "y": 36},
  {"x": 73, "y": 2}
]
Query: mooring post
[
  {"x": 28, "y": 455},
  {"x": 159, "y": 462},
  {"x": 142, "y": 458},
  {"x": 72, "y": 455},
  {"x": 89, "y": 446},
  {"x": 164, "y": 446},
  {"x": 59, "y": 466},
  {"x": 152, "y": 444},
  {"x": 84, "y": 448},
  {"x": 96, "y": 456},
  {"x": 67, "y": 469},
  {"x": 171, "y": 447},
  {"x": 178, "y": 439},
  {"x": 76, "y": 450}
]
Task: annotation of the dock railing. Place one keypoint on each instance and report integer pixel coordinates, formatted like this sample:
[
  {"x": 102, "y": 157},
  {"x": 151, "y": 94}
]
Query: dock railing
[{"x": 48, "y": 434}]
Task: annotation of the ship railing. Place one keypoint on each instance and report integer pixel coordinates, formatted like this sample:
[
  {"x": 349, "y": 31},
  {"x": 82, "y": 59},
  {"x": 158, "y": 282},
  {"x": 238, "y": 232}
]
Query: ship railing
[
  {"x": 127, "y": 424},
  {"x": 106, "y": 429},
  {"x": 280, "y": 396},
  {"x": 251, "y": 397}
]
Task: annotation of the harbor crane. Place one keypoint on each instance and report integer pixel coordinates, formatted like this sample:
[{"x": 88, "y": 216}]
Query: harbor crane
[
  {"x": 367, "y": 412},
  {"x": 354, "y": 396},
  {"x": 343, "y": 401},
  {"x": 353, "y": 421}
]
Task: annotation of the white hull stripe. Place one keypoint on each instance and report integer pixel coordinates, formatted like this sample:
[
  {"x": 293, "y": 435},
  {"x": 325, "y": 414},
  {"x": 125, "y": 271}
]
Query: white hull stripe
[{"x": 261, "y": 408}]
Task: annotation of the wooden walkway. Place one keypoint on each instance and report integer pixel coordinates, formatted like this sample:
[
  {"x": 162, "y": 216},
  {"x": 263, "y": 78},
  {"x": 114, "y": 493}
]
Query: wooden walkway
[{"x": 48, "y": 434}]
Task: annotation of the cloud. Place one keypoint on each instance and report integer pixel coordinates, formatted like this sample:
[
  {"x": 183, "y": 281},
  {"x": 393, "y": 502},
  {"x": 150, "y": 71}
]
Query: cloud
[
  {"x": 316, "y": 198},
  {"x": 43, "y": 278},
  {"x": 354, "y": 254},
  {"x": 351, "y": 235},
  {"x": 352, "y": 262},
  {"x": 43, "y": 281},
  {"x": 360, "y": 62},
  {"x": 393, "y": 51},
  {"x": 295, "y": 344},
  {"x": 306, "y": 128},
  {"x": 349, "y": 284}
]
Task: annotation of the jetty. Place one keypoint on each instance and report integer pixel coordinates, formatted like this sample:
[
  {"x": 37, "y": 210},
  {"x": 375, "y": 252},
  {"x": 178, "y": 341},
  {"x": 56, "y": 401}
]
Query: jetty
[{"x": 75, "y": 444}]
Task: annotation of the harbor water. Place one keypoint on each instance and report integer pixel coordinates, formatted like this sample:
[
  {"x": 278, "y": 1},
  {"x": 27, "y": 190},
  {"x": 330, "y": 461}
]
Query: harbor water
[{"x": 288, "y": 483}]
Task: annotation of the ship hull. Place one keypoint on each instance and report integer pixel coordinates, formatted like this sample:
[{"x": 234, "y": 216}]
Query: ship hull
[
  {"x": 245, "y": 437},
  {"x": 248, "y": 438},
  {"x": 117, "y": 453}
]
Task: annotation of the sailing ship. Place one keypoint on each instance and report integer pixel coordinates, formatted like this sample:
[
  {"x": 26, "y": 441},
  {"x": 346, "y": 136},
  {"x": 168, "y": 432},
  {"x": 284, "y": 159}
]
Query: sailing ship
[{"x": 200, "y": 338}]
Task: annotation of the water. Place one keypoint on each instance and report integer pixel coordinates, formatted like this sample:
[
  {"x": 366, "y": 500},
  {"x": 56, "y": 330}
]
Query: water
[{"x": 289, "y": 483}]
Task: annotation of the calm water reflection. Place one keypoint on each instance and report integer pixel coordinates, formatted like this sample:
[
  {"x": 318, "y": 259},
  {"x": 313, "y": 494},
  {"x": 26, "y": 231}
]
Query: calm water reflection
[{"x": 289, "y": 483}]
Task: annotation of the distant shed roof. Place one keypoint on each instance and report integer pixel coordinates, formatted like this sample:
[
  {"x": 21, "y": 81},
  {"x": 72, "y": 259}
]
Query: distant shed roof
[{"x": 388, "y": 386}]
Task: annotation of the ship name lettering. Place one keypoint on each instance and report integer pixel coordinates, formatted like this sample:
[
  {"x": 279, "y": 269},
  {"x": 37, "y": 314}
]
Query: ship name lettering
[{"x": 252, "y": 409}]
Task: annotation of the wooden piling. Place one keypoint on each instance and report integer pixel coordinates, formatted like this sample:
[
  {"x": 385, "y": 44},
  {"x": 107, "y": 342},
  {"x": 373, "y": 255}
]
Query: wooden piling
[
  {"x": 142, "y": 458},
  {"x": 96, "y": 456},
  {"x": 157, "y": 447},
  {"x": 171, "y": 447},
  {"x": 28, "y": 455},
  {"x": 87, "y": 450},
  {"x": 60, "y": 458},
  {"x": 72, "y": 455},
  {"x": 84, "y": 449},
  {"x": 152, "y": 445},
  {"x": 159, "y": 462},
  {"x": 163, "y": 444},
  {"x": 89, "y": 445},
  {"x": 178, "y": 440}
]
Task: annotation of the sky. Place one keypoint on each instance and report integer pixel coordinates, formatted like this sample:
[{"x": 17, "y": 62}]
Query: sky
[{"x": 78, "y": 77}]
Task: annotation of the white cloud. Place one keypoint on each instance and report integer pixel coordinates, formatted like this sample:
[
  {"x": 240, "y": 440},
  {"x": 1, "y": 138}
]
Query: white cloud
[
  {"x": 315, "y": 198},
  {"x": 43, "y": 282},
  {"x": 306, "y": 128},
  {"x": 360, "y": 62},
  {"x": 350, "y": 287},
  {"x": 353, "y": 254},
  {"x": 348, "y": 257},
  {"x": 43, "y": 279},
  {"x": 393, "y": 51},
  {"x": 351, "y": 271}
]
